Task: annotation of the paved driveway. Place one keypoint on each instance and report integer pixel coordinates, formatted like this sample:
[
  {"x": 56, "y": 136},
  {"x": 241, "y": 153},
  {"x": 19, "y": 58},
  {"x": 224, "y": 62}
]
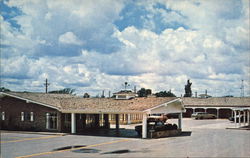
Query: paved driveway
[{"x": 200, "y": 138}]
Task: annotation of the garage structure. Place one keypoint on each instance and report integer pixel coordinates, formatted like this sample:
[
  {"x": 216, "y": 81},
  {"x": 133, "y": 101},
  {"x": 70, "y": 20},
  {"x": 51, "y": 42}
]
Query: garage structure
[
  {"x": 67, "y": 113},
  {"x": 222, "y": 107},
  {"x": 241, "y": 112}
]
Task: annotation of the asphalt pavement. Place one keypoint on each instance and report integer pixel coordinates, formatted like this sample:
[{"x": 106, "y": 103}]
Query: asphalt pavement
[{"x": 200, "y": 138}]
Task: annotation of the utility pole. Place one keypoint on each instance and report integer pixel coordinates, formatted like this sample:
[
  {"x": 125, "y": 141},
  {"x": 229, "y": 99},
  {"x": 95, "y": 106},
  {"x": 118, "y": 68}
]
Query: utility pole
[
  {"x": 46, "y": 84},
  {"x": 242, "y": 88}
]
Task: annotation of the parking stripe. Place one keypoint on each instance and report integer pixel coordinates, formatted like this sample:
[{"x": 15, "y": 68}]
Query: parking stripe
[
  {"x": 20, "y": 140},
  {"x": 94, "y": 145}
]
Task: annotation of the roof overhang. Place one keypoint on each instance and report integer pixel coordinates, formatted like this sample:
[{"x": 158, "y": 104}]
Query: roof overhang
[
  {"x": 100, "y": 112},
  {"x": 29, "y": 101},
  {"x": 174, "y": 106}
]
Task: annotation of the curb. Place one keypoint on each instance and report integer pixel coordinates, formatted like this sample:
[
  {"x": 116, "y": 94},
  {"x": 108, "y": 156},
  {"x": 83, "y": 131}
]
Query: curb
[{"x": 29, "y": 132}]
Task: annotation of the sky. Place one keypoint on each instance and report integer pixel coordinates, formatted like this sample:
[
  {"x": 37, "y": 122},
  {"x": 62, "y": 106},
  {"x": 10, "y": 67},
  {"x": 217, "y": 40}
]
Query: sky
[{"x": 96, "y": 45}]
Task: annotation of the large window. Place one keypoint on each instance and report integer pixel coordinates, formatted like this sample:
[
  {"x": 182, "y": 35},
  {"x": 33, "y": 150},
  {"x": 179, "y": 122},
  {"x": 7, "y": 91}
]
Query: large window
[
  {"x": 51, "y": 120},
  {"x": 27, "y": 116}
]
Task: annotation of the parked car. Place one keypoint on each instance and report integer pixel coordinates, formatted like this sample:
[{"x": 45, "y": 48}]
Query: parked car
[
  {"x": 156, "y": 123},
  {"x": 237, "y": 118},
  {"x": 203, "y": 115}
]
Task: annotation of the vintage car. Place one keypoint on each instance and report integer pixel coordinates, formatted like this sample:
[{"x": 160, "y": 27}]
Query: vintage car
[
  {"x": 203, "y": 115},
  {"x": 156, "y": 123}
]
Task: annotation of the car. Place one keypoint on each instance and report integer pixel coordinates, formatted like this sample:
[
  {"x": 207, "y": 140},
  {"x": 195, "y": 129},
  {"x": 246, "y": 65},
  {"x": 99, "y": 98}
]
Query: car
[
  {"x": 237, "y": 118},
  {"x": 156, "y": 123},
  {"x": 203, "y": 115}
]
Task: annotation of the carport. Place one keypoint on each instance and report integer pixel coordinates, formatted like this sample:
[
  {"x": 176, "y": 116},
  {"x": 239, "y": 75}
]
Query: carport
[
  {"x": 245, "y": 112},
  {"x": 172, "y": 106}
]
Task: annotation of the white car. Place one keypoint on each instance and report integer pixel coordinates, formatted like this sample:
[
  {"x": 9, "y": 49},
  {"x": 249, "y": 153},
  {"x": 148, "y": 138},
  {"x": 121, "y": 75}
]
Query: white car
[{"x": 203, "y": 115}]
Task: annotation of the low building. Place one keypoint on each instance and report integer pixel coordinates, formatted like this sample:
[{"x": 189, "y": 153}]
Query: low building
[
  {"x": 67, "y": 113},
  {"x": 222, "y": 107},
  {"x": 125, "y": 95}
]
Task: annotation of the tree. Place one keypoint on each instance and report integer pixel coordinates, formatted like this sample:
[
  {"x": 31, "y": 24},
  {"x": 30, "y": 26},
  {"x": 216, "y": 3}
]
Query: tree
[
  {"x": 165, "y": 94},
  {"x": 2, "y": 89},
  {"x": 64, "y": 91},
  {"x": 144, "y": 92},
  {"x": 86, "y": 95}
]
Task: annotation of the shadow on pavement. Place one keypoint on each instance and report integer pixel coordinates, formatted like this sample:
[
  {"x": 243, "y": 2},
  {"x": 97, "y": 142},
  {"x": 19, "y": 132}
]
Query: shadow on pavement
[{"x": 122, "y": 132}]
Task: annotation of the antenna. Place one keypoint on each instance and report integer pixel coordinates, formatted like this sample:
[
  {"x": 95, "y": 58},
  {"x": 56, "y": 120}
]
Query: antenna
[
  {"x": 46, "y": 84},
  {"x": 126, "y": 85},
  {"x": 242, "y": 88}
]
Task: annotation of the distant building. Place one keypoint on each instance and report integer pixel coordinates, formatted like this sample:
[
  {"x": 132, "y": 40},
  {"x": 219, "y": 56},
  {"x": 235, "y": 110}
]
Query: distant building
[{"x": 125, "y": 94}]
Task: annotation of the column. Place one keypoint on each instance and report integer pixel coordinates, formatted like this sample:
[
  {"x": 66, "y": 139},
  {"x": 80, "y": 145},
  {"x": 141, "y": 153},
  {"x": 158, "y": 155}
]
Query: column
[
  {"x": 205, "y": 109},
  {"x": 193, "y": 110},
  {"x": 218, "y": 112},
  {"x": 239, "y": 118},
  {"x": 129, "y": 119},
  {"x": 244, "y": 118},
  {"x": 248, "y": 117},
  {"x": 47, "y": 121},
  {"x": 232, "y": 113},
  {"x": 235, "y": 113},
  {"x": 144, "y": 126},
  {"x": 73, "y": 123},
  {"x": 180, "y": 121},
  {"x": 117, "y": 121}
]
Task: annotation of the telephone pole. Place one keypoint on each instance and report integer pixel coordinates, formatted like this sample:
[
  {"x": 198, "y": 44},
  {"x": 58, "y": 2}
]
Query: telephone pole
[
  {"x": 242, "y": 88},
  {"x": 46, "y": 84}
]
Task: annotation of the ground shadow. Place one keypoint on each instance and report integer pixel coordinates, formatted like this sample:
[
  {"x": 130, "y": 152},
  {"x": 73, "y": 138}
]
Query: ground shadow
[
  {"x": 122, "y": 132},
  {"x": 185, "y": 133}
]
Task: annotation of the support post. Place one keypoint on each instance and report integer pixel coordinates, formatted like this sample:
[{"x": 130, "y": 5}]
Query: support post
[
  {"x": 244, "y": 118},
  {"x": 248, "y": 117},
  {"x": 180, "y": 121},
  {"x": 205, "y": 109},
  {"x": 129, "y": 119},
  {"x": 239, "y": 118},
  {"x": 144, "y": 126},
  {"x": 117, "y": 121},
  {"x": 47, "y": 121},
  {"x": 73, "y": 123},
  {"x": 218, "y": 113},
  {"x": 235, "y": 122},
  {"x": 193, "y": 110}
]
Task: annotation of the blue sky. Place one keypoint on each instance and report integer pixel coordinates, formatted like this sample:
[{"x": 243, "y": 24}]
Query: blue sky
[{"x": 95, "y": 45}]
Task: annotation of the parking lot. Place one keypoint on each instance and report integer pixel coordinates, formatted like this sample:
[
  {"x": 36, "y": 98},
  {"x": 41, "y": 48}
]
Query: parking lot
[{"x": 200, "y": 138}]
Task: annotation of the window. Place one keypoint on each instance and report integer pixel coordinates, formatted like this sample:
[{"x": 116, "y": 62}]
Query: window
[
  {"x": 3, "y": 116},
  {"x": 27, "y": 116},
  {"x": 31, "y": 116},
  {"x": 22, "y": 116},
  {"x": 51, "y": 120}
]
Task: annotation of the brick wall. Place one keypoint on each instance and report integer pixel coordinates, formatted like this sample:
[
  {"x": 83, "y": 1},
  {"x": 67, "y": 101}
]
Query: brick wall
[{"x": 13, "y": 107}]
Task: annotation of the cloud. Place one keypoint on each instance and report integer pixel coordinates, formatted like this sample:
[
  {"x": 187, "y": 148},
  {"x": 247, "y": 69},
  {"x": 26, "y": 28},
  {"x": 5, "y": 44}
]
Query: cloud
[
  {"x": 69, "y": 38},
  {"x": 92, "y": 45}
]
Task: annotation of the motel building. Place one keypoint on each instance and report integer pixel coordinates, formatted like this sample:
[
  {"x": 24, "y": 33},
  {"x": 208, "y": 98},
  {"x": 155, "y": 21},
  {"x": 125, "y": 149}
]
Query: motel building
[{"x": 72, "y": 114}]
